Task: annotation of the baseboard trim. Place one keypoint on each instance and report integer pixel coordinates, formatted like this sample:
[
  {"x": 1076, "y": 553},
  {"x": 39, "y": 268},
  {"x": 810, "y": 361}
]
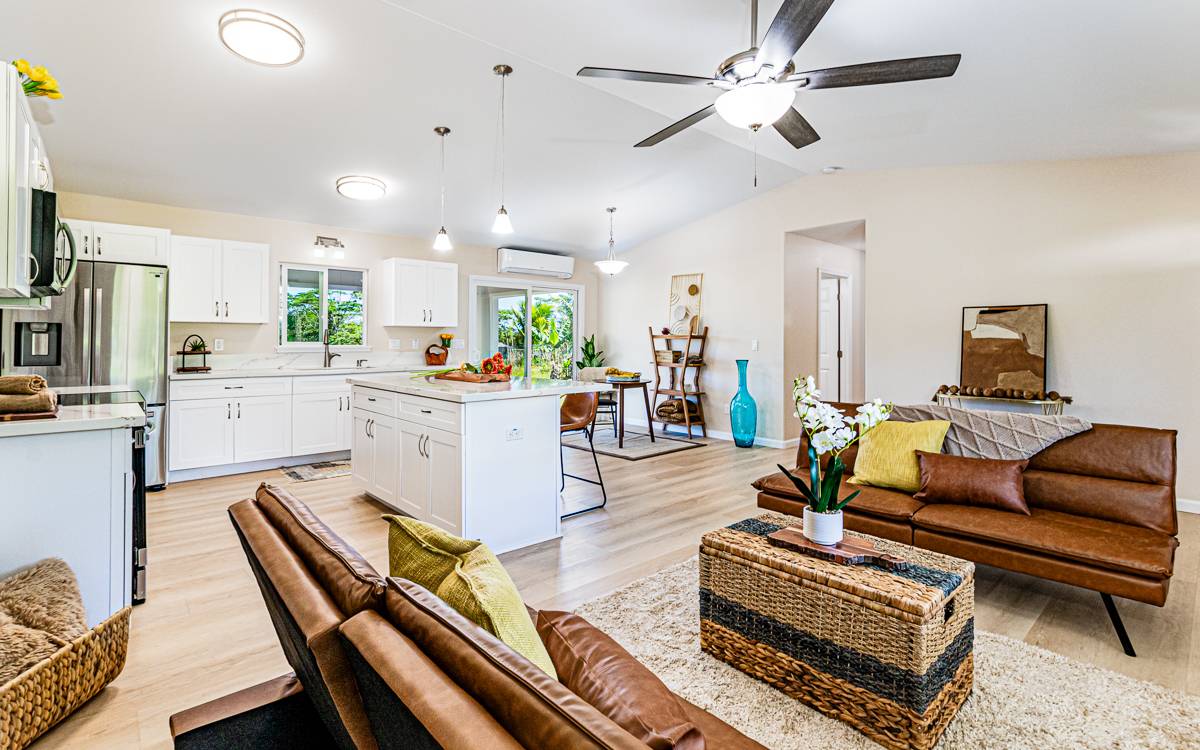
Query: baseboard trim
[
  {"x": 1187, "y": 506},
  {"x": 674, "y": 431},
  {"x": 207, "y": 472}
]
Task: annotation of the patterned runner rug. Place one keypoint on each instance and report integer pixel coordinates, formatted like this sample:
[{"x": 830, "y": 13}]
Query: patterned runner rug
[
  {"x": 318, "y": 470},
  {"x": 1024, "y": 696}
]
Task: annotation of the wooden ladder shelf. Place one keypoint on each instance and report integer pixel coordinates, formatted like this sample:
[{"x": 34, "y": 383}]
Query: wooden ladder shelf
[{"x": 677, "y": 358}]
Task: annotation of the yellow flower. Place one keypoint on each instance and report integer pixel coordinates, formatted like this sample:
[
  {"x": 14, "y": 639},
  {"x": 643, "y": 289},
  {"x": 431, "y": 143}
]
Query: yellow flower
[
  {"x": 54, "y": 95},
  {"x": 22, "y": 67},
  {"x": 50, "y": 83},
  {"x": 39, "y": 73}
]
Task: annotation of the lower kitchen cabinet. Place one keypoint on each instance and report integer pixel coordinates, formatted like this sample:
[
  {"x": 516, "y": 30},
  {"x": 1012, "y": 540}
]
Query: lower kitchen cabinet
[
  {"x": 217, "y": 431},
  {"x": 443, "y": 462},
  {"x": 373, "y": 465},
  {"x": 262, "y": 428},
  {"x": 321, "y": 422}
]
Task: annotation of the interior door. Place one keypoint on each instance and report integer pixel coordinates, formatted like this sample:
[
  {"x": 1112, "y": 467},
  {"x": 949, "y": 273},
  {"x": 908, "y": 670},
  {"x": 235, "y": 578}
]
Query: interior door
[
  {"x": 444, "y": 456},
  {"x": 244, "y": 268},
  {"x": 195, "y": 279},
  {"x": 828, "y": 376},
  {"x": 413, "y": 497},
  {"x": 262, "y": 428},
  {"x": 129, "y": 341}
]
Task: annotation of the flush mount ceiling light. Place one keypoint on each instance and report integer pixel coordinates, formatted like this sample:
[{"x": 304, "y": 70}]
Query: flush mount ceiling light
[
  {"x": 755, "y": 105},
  {"x": 442, "y": 241},
  {"x": 361, "y": 188},
  {"x": 260, "y": 37},
  {"x": 611, "y": 265},
  {"x": 502, "y": 224}
]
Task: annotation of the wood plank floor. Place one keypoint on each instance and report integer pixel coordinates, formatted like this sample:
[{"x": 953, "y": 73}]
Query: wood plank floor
[{"x": 204, "y": 631}]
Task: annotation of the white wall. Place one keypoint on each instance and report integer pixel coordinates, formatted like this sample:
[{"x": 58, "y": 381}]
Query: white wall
[
  {"x": 1113, "y": 245},
  {"x": 292, "y": 241}
]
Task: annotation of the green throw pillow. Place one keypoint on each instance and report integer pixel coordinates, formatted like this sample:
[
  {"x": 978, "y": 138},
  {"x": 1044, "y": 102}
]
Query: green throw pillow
[{"x": 466, "y": 575}]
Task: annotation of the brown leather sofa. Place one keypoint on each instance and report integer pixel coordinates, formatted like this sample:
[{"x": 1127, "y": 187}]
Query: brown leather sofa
[
  {"x": 383, "y": 663},
  {"x": 1102, "y": 515}
]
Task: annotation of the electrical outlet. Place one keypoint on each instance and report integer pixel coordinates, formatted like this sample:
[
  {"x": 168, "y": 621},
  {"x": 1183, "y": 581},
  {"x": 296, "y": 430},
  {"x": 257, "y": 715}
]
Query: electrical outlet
[
  {"x": 514, "y": 433},
  {"x": 725, "y": 408},
  {"x": 395, "y": 344},
  {"x": 218, "y": 345},
  {"x": 416, "y": 343},
  {"x": 753, "y": 345}
]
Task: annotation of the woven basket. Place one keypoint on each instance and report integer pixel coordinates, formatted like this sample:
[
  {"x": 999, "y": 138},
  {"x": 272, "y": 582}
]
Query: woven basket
[{"x": 34, "y": 701}]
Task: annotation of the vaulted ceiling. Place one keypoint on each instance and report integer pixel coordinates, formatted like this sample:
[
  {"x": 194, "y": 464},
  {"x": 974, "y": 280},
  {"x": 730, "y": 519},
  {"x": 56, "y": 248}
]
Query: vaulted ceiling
[{"x": 156, "y": 109}]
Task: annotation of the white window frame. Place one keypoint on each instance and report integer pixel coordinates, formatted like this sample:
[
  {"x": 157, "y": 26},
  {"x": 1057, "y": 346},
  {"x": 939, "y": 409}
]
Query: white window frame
[
  {"x": 281, "y": 342},
  {"x": 530, "y": 287}
]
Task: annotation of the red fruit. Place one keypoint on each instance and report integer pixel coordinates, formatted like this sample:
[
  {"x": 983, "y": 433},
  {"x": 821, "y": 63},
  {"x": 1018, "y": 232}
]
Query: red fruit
[{"x": 508, "y": 370}]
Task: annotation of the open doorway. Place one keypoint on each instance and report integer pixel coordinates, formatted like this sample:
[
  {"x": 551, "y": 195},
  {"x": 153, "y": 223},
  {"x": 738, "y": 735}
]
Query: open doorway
[{"x": 825, "y": 313}]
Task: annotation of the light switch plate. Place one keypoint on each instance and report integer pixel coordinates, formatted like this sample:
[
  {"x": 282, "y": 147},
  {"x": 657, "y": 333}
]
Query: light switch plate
[
  {"x": 218, "y": 345},
  {"x": 514, "y": 433},
  {"x": 754, "y": 345},
  {"x": 395, "y": 344}
]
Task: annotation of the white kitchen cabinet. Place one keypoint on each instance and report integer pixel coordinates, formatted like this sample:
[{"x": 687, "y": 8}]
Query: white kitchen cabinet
[
  {"x": 414, "y": 474},
  {"x": 431, "y": 475},
  {"x": 374, "y": 460},
  {"x": 320, "y": 422},
  {"x": 82, "y": 232},
  {"x": 362, "y": 453},
  {"x": 419, "y": 293},
  {"x": 124, "y": 243},
  {"x": 221, "y": 281},
  {"x": 201, "y": 433},
  {"x": 18, "y": 139},
  {"x": 262, "y": 428}
]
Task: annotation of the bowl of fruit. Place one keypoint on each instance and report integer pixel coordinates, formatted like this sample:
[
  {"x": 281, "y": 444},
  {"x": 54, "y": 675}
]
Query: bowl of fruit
[{"x": 614, "y": 375}]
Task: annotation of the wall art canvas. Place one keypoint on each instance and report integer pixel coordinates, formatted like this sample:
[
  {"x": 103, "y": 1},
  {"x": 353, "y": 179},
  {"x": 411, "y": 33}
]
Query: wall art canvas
[
  {"x": 683, "y": 304},
  {"x": 1004, "y": 347}
]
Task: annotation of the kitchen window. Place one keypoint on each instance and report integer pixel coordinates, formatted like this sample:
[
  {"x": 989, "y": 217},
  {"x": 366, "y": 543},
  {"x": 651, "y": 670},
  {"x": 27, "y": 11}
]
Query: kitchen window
[{"x": 314, "y": 299}]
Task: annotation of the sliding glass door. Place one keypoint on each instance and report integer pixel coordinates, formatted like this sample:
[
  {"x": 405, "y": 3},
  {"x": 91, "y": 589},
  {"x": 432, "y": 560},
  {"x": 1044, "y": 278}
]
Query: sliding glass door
[{"x": 534, "y": 327}]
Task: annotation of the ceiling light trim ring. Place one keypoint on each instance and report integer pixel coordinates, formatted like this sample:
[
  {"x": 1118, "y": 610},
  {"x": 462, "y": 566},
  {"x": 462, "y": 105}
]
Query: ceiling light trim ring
[
  {"x": 351, "y": 181},
  {"x": 250, "y": 15}
]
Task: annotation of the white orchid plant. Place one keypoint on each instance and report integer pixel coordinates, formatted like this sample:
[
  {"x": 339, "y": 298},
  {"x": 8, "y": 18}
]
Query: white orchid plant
[{"x": 829, "y": 431}]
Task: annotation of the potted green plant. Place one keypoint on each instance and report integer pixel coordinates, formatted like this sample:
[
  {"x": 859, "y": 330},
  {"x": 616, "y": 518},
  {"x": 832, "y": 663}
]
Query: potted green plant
[
  {"x": 590, "y": 357},
  {"x": 828, "y": 430}
]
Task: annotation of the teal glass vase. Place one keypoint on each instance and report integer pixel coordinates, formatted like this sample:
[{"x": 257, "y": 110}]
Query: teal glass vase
[{"x": 743, "y": 412}]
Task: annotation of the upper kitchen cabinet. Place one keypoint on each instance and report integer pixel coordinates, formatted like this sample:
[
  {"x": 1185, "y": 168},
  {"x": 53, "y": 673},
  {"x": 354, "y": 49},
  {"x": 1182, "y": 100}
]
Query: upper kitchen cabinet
[
  {"x": 122, "y": 243},
  {"x": 419, "y": 293},
  {"x": 219, "y": 281},
  {"x": 82, "y": 232},
  {"x": 23, "y": 167}
]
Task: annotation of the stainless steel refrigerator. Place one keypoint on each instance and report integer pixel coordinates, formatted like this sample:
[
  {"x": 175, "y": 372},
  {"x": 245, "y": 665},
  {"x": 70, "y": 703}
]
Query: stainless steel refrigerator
[{"x": 109, "y": 327}]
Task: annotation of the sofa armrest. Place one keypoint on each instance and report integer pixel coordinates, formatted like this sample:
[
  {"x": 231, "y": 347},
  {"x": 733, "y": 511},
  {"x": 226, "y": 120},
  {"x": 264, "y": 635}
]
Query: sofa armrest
[{"x": 274, "y": 714}]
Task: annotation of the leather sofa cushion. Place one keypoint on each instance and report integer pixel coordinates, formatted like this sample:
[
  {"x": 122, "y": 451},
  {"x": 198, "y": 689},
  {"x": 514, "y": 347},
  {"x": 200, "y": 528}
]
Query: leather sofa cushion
[
  {"x": 875, "y": 501},
  {"x": 536, "y": 709},
  {"x": 717, "y": 733},
  {"x": 1136, "y": 503},
  {"x": 1133, "y": 454},
  {"x": 1115, "y": 546},
  {"x": 979, "y": 482},
  {"x": 344, "y": 574},
  {"x": 595, "y": 667}
]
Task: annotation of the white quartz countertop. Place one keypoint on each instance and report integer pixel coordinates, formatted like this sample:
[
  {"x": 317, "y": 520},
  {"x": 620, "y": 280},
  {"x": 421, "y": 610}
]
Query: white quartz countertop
[
  {"x": 78, "y": 419},
  {"x": 462, "y": 393},
  {"x": 289, "y": 372}
]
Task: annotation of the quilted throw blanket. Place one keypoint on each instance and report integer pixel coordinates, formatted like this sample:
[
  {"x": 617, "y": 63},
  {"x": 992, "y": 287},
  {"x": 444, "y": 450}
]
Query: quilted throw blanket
[{"x": 995, "y": 434}]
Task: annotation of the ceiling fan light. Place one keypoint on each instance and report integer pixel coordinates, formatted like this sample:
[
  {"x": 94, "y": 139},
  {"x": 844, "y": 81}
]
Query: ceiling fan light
[
  {"x": 260, "y": 37},
  {"x": 502, "y": 224},
  {"x": 755, "y": 104},
  {"x": 611, "y": 266},
  {"x": 361, "y": 188},
  {"x": 442, "y": 241}
]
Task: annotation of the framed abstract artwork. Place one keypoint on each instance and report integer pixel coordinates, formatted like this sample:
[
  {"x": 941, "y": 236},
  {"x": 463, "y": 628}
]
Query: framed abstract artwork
[
  {"x": 1004, "y": 346},
  {"x": 683, "y": 303}
]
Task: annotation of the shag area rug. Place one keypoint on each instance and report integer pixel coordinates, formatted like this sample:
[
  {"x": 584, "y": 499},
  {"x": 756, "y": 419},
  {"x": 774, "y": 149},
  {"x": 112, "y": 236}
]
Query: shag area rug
[{"x": 1024, "y": 696}]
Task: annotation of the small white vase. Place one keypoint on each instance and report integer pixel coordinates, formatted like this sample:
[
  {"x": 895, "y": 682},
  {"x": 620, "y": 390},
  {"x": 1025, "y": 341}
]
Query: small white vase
[{"x": 823, "y": 528}]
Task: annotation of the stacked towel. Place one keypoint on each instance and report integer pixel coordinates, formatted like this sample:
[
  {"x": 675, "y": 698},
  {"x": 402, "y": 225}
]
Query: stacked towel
[{"x": 25, "y": 394}]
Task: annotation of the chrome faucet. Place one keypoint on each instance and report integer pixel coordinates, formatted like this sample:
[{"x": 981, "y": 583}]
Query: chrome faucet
[
  {"x": 360, "y": 363},
  {"x": 328, "y": 354}
]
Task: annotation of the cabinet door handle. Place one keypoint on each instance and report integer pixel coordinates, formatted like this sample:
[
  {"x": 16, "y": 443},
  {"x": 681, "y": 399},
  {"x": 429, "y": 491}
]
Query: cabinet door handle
[
  {"x": 216, "y": 309},
  {"x": 234, "y": 387},
  {"x": 85, "y": 244},
  {"x": 339, "y": 403},
  {"x": 371, "y": 425},
  {"x": 371, "y": 399},
  {"x": 227, "y": 309},
  {"x": 239, "y": 409},
  {"x": 99, "y": 249},
  {"x": 426, "y": 411},
  {"x": 228, "y": 410}
]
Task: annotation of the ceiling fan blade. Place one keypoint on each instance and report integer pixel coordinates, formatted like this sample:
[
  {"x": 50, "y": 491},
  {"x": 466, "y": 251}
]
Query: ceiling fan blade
[
  {"x": 677, "y": 127},
  {"x": 643, "y": 75},
  {"x": 888, "y": 71},
  {"x": 796, "y": 129},
  {"x": 792, "y": 26}
]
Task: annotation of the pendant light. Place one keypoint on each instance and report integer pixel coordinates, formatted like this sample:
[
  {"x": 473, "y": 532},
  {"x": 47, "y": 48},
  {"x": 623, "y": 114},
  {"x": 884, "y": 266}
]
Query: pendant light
[
  {"x": 502, "y": 224},
  {"x": 442, "y": 241},
  {"x": 611, "y": 265}
]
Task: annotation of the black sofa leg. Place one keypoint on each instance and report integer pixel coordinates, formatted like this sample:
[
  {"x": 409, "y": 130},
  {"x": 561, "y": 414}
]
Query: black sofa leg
[{"x": 1118, "y": 626}]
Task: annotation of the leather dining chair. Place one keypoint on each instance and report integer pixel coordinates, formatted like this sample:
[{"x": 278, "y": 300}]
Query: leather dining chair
[{"x": 578, "y": 414}]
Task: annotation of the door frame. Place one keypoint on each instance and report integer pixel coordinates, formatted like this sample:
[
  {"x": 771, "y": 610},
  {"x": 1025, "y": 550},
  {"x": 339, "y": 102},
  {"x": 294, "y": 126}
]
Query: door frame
[
  {"x": 845, "y": 327},
  {"x": 530, "y": 287}
]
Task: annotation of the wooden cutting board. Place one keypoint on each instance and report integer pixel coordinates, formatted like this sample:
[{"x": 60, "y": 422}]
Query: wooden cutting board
[
  {"x": 28, "y": 415},
  {"x": 473, "y": 377},
  {"x": 849, "y": 551}
]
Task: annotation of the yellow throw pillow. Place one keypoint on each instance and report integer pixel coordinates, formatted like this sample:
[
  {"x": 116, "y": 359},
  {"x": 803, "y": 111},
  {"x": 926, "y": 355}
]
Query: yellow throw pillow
[
  {"x": 887, "y": 455},
  {"x": 466, "y": 575}
]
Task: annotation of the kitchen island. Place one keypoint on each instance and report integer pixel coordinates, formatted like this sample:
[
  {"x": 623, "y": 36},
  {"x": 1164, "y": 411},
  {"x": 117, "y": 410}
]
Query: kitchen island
[{"x": 480, "y": 460}]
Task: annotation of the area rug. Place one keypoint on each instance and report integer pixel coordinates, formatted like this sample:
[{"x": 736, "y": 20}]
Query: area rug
[
  {"x": 637, "y": 444},
  {"x": 318, "y": 470},
  {"x": 1024, "y": 696}
]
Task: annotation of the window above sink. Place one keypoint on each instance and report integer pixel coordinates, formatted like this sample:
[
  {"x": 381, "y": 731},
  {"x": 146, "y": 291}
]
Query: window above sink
[{"x": 315, "y": 298}]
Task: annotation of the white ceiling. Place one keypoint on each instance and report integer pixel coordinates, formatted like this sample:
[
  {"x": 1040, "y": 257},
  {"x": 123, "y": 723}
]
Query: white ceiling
[{"x": 156, "y": 109}]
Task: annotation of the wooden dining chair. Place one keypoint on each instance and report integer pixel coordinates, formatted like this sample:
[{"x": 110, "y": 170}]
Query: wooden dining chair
[{"x": 578, "y": 414}]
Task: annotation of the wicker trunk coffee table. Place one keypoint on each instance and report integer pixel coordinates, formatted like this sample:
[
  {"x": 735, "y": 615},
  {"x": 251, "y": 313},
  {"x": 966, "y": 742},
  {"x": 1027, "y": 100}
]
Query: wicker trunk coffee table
[{"x": 887, "y": 652}]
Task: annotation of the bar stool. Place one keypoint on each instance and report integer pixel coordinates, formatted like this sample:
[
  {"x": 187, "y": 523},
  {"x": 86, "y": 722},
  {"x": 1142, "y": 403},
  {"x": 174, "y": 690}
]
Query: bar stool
[{"x": 577, "y": 414}]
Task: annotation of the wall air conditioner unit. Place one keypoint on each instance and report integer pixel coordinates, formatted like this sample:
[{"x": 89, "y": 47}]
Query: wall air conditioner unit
[{"x": 509, "y": 260}]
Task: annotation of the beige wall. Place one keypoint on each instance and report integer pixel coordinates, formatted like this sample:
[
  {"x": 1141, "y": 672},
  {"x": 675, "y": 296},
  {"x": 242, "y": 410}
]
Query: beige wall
[
  {"x": 1113, "y": 245},
  {"x": 292, "y": 241},
  {"x": 804, "y": 258}
]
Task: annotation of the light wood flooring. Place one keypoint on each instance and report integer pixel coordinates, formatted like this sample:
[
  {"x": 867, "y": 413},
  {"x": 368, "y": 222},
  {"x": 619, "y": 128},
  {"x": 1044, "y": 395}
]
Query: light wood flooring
[{"x": 204, "y": 631}]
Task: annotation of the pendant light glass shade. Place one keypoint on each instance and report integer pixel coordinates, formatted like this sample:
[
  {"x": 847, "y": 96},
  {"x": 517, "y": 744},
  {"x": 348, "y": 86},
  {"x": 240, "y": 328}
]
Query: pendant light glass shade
[
  {"x": 502, "y": 224},
  {"x": 755, "y": 104},
  {"x": 442, "y": 241},
  {"x": 611, "y": 265}
]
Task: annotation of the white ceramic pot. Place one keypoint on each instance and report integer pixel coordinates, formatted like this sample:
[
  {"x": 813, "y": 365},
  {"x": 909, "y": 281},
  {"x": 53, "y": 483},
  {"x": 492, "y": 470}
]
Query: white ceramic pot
[{"x": 823, "y": 528}]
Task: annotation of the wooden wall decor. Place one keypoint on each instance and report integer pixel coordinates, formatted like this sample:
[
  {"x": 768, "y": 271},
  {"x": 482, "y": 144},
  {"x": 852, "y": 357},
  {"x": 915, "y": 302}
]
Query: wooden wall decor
[
  {"x": 683, "y": 303},
  {"x": 1004, "y": 347}
]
